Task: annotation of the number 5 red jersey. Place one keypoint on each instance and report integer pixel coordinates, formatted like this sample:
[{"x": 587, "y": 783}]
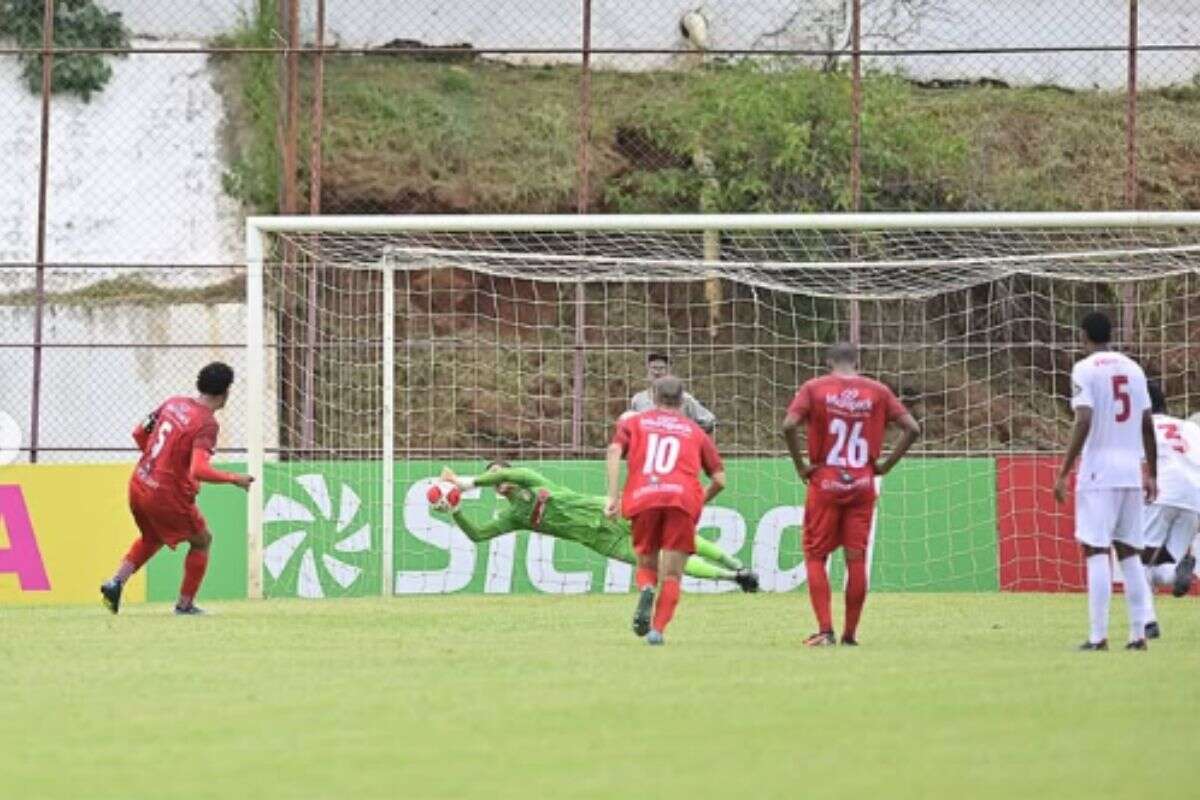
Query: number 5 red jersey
[
  {"x": 665, "y": 452},
  {"x": 181, "y": 425},
  {"x": 847, "y": 417}
]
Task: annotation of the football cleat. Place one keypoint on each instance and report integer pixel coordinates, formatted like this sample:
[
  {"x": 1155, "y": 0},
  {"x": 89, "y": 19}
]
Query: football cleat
[
  {"x": 1152, "y": 630},
  {"x": 1089, "y": 645},
  {"x": 821, "y": 639},
  {"x": 1137, "y": 644},
  {"x": 189, "y": 611},
  {"x": 747, "y": 579},
  {"x": 655, "y": 638},
  {"x": 111, "y": 592},
  {"x": 1184, "y": 575},
  {"x": 641, "y": 617},
  {"x": 850, "y": 641}
]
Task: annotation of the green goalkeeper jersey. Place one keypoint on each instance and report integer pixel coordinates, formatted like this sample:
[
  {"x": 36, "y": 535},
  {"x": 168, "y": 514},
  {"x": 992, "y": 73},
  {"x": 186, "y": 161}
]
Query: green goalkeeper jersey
[{"x": 545, "y": 507}]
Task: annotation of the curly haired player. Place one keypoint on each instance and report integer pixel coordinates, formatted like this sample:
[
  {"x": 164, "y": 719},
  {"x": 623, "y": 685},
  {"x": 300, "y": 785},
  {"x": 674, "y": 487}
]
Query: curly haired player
[{"x": 177, "y": 440}]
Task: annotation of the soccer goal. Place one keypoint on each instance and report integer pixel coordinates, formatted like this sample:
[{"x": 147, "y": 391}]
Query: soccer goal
[{"x": 386, "y": 347}]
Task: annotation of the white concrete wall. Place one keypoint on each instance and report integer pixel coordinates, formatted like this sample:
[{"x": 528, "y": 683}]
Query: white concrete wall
[
  {"x": 743, "y": 23},
  {"x": 93, "y": 397},
  {"x": 135, "y": 175}
]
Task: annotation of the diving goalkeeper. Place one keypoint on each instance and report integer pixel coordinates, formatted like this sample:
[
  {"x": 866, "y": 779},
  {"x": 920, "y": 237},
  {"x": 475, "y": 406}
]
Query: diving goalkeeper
[{"x": 537, "y": 504}]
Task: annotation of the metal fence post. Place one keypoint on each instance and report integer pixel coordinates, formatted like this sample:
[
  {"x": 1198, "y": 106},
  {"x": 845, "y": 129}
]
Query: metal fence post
[
  {"x": 582, "y": 202},
  {"x": 40, "y": 257}
]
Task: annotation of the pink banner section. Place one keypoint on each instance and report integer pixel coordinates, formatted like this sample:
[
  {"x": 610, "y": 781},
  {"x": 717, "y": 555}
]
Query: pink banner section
[{"x": 22, "y": 556}]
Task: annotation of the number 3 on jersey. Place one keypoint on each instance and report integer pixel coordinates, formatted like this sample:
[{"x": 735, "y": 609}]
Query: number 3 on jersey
[
  {"x": 1174, "y": 438},
  {"x": 849, "y": 447},
  {"x": 662, "y": 453}
]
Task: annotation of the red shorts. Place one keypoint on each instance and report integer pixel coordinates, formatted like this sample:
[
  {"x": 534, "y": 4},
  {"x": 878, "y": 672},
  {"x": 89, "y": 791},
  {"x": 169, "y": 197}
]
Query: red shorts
[
  {"x": 829, "y": 525},
  {"x": 164, "y": 521},
  {"x": 665, "y": 528}
]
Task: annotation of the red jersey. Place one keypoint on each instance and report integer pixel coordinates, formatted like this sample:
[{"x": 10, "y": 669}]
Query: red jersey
[
  {"x": 180, "y": 426},
  {"x": 847, "y": 417},
  {"x": 665, "y": 451}
]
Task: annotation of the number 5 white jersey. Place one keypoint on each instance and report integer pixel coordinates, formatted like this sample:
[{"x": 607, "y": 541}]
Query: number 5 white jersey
[
  {"x": 1114, "y": 387},
  {"x": 1178, "y": 462}
]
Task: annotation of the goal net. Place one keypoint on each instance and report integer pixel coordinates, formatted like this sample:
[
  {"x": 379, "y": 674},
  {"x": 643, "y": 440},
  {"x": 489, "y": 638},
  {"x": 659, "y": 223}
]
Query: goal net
[{"x": 385, "y": 348}]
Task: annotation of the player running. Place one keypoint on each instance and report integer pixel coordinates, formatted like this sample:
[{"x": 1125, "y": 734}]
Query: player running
[
  {"x": 1170, "y": 523},
  {"x": 847, "y": 415},
  {"x": 1114, "y": 429},
  {"x": 177, "y": 441},
  {"x": 537, "y": 504},
  {"x": 657, "y": 366},
  {"x": 663, "y": 497}
]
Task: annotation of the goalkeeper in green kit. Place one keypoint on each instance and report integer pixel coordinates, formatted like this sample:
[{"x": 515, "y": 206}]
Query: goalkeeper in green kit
[{"x": 537, "y": 504}]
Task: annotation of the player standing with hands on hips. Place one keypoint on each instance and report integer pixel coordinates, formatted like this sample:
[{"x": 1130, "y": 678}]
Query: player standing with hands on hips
[
  {"x": 663, "y": 497},
  {"x": 1114, "y": 430},
  {"x": 847, "y": 415}
]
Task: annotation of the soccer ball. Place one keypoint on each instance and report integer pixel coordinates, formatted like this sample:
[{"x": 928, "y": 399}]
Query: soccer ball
[{"x": 444, "y": 496}]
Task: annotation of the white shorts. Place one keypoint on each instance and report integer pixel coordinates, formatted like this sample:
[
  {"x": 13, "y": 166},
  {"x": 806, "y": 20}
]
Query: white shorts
[
  {"x": 1170, "y": 528},
  {"x": 1103, "y": 516}
]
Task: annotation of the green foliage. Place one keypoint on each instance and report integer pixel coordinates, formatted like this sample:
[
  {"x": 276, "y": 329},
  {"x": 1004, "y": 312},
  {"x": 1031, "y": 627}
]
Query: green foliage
[
  {"x": 403, "y": 136},
  {"x": 253, "y": 177},
  {"x": 77, "y": 23},
  {"x": 781, "y": 141}
]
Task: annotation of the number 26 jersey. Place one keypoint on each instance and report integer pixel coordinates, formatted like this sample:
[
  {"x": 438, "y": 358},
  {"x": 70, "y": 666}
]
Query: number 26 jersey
[
  {"x": 665, "y": 452},
  {"x": 846, "y": 418}
]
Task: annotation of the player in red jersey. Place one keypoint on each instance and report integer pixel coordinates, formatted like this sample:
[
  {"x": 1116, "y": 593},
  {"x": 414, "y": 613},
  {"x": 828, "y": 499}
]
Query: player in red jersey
[
  {"x": 846, "y": 415},
  {"x": 663, "y": 496},
  {"x": 177, "y": 441}
]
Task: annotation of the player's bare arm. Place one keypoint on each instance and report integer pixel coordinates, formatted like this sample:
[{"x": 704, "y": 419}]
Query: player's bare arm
[
  {"x": 716, "y": 484},
  {"x": 612, "y": 469},
  {"x": 791, "y": 435},
  {"x": 911, "y": 432},
  {"x": 1079, "y": 434},
  {"x": 1150, "y": 446}
]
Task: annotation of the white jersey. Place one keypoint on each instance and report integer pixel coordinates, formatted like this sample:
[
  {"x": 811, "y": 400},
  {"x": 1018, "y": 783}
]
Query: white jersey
[
  {"x": 1178, "y": 462},
  {"x": 1113, "y": 386}
]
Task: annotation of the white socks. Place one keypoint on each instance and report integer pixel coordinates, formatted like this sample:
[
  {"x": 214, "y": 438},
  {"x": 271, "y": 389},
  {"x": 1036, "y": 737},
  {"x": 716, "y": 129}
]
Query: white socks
[
  {"x": 1162, "y": 575},
  {"x": 1099, "y": 578},
  {"x": 1138, "y": 597}
]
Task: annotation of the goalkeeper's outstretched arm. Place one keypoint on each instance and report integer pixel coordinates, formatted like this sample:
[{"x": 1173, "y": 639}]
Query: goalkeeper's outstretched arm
[
  {"x": 481, "y": 533},
  {"x": 520, "y": 476}
]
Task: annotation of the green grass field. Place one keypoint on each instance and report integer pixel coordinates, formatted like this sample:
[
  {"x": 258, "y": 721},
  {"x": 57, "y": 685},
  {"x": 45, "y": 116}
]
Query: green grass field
[{"x": 975, "y": 695}]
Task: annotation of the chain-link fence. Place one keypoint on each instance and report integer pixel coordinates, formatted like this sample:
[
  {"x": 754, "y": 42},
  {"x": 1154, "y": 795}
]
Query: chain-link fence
[{"x": 136, "y": 135}]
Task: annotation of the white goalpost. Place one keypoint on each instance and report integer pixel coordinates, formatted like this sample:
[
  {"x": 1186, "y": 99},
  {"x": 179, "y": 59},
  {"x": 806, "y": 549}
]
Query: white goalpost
[{"x": 382, "y": 347}]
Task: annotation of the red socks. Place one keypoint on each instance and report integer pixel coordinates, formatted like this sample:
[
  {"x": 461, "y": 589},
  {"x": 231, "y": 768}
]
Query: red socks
[
  {"x": 665, "y": 608},
  {"x": 818, "y": 592},
  {"x": 194, "y": 567},
  {"x": 856, "y": 594},
  {"x": 646, "y": 577},
  {"x": 139, "y": 553}
]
